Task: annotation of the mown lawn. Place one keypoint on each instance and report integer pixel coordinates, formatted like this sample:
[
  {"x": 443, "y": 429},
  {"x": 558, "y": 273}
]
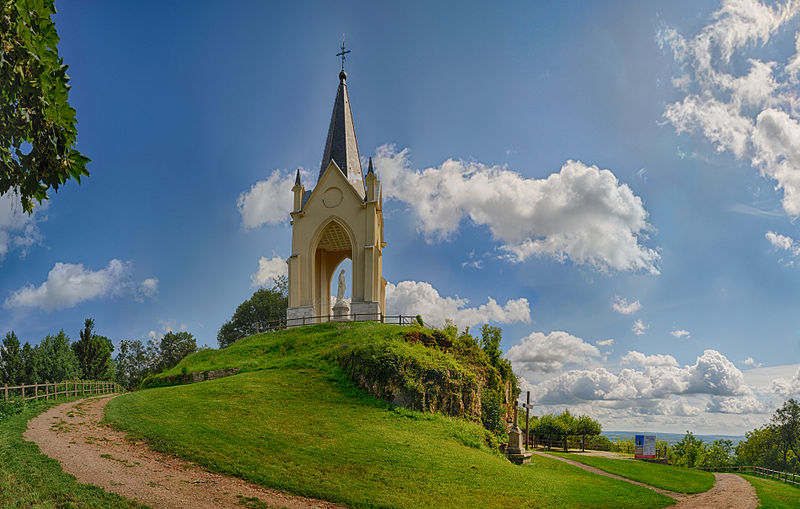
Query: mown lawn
[
  {"x": 774, "y": 494},
  {"x": 31, "y": 479},
  {"x": 666, "y": 477},
  {"x": 297, "y": 424}
]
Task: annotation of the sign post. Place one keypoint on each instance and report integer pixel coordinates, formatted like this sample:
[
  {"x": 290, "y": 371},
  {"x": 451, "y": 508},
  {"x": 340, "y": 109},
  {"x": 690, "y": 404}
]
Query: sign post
[{"x": 644, "y": 447}]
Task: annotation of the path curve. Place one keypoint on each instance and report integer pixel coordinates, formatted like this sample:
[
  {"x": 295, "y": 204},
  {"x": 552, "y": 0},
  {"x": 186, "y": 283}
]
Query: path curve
[
  {"x": 99, "y": 455},
  {"x": 730, "y": 491}
]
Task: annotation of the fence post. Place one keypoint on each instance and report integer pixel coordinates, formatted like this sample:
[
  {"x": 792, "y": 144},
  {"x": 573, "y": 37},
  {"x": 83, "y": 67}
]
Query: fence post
[
  {"x": 23, "y": 391},
  {"x": 46, "y": 391},
  {"x": 35, "y": 390},
  {"x": 5, "y": 387}
]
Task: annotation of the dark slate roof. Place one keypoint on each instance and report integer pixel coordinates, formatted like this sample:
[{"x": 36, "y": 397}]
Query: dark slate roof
[{"x": 341, "y": 145}]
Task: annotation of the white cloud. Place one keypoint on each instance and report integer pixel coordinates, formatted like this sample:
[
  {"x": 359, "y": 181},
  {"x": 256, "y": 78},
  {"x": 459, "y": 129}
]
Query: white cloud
[
  {"x": 147, "y": 288},
  {"x": 604, "y": 342},
  {"x": 18, "y": 230},
  {"x": 624, "y": 307},
  {"x": 639, "y": 327},
  {"x": 69, "y": 284},
  {"x": 784, "y": 243},
  {"x": 268, "y": 201},
  {"x": 634, "y": 357},
  {"x": 660, "y": 378},
  {"x": 752, "y": 115},
  {"x": 750, "y": 362},
  {"x": 268, "y": 270},
  {"x": 787, "y": 387},
  {"x": 413, "y": 297},
  {"x": 547, "y": 353},
  {"x": 581, "y": 213},
  {"x": 681, "y": 333},
  {"x": 737, "y": 405}
]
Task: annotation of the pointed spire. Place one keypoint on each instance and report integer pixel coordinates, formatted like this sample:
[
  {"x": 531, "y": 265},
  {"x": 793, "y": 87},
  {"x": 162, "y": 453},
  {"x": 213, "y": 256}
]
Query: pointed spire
[
  {"x": 369, "y": 169},
  {"x": 341, "y": 145},
  {"x": 297, "y": 178}
]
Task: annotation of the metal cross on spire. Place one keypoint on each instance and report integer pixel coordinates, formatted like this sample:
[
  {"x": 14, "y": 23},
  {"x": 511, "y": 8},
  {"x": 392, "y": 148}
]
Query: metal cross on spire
[{"x": 343, "y": 52}]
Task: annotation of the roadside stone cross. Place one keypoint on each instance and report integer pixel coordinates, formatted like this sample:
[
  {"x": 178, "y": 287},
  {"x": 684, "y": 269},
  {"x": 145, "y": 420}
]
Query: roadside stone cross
[{"x": 527, "y": 406}]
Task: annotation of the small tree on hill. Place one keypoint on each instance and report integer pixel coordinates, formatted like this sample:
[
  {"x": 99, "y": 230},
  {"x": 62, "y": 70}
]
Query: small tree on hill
[
  {"x": 134, "y": 362},
  {"x": 689, "y": 451},
  {"x": 175, "y": 346},
  {"x": 29, "y": 358},
  {"x": 93, "y": 353},
  {"x": 11, "y": 360},
  {"x": 260, "y": 313}
]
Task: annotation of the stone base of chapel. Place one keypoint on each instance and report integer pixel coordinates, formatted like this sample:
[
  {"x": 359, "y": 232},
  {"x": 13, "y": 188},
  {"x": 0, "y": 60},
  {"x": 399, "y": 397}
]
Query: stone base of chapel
[{"x": 359, "y": 312}]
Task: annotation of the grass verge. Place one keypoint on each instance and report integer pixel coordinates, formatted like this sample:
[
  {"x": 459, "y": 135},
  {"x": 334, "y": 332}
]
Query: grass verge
[
  {"x": 31, "y": 479},
  {"x": 666, "y": 477},
  {"x": 295, "y": 422},
  {"x": 774, "y": 494}
]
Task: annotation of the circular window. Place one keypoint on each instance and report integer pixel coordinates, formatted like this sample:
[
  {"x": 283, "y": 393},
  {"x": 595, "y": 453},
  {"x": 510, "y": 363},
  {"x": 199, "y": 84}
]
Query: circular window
[{"x": 332, "y": 197}]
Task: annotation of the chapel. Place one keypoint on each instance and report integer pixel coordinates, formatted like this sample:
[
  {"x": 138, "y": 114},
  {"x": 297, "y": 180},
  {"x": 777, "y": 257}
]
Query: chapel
[{"x": 340, "y": 218}]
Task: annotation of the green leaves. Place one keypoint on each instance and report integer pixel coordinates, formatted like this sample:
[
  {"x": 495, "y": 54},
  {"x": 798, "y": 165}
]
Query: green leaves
[{"x": 34, "y": 107}]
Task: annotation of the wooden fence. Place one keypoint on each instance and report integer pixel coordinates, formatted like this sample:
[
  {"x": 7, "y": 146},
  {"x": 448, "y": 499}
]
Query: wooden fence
[
  {"x": 54, "y": 390},
  {"x": 786, "y": 477}
]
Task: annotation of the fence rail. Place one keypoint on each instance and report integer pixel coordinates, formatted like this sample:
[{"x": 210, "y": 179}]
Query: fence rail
[
  {"x": 53, "y": 390},
  {"x": 786, "y": 477},
  {"x": 285, "y": 323}
]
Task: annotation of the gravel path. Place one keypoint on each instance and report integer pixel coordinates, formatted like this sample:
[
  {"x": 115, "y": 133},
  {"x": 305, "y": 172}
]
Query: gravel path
[
  {"x": 98, "y": 455},
  {"x": 730, "y": 491}
]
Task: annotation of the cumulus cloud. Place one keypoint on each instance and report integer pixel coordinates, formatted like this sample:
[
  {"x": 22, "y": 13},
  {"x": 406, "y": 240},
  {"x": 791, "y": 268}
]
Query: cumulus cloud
[
  {"x": 268, "y": 270},
  {"x": 148, "y": 288},
  {"x": 624, "y": 307},
  {"x": 752, "y": 114},
  {"x": 268, "y": 201},
  {"x": 69, "y": 284},
  {"x": 547, "y": 353},
  {"x": 634, "y": 357},
  {"x": 739, "y": 405},
  {"x": 787, "y": 387},
  {"x": 750, "y": 362},
  {"x": 581, "y": 213},
  {"x": 18, "y": 230},
  {"x": 639, "y": 327},
  {"x": 419, "y": 297},
  {"x": 660, "y": 378},
  {"x": 681, "y": 333},
  {"x": 605, "y": 342}
]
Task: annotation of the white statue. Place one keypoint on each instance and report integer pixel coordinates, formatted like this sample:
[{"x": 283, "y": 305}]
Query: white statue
[{"x": 340, "y": 291}]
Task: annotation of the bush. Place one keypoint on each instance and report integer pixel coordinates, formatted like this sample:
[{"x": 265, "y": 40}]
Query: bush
[
  {"x": 492, "y": 411},
  {"x": 9, "y": 408}
]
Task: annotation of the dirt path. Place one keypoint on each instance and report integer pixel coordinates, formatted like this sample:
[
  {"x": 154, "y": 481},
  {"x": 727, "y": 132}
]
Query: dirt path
[
  {"x": 730, "y": 491},
  {"x": 98, "y": 455}
]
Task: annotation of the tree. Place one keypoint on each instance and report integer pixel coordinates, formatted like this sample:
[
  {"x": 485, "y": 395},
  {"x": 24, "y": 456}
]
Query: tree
[
  {"x": 549, "y": 427},
  {"x": 760, "y": 448},
  {"x": 37, "y": 124},
  {"x": 29, "y": 358},
  {"x": 11, "y": 360},
  {"x": 93, "y": 353},
  {"x": 175, "y": 346},
  {"x": 490, "y": 342},
  {"x": 135, "y": 361},
  {"x": 689, "y": 451},
  {"x": 260, "y": 313},
  {"x": 586, "y": 426},
  {"x": 786, "y": 423},
  {"x": 54, "y": 359},
  {"x": 718, "y": 454}
]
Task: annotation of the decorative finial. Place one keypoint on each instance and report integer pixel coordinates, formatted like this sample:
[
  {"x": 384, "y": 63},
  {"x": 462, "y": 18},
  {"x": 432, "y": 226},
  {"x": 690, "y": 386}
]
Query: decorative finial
[
  {"x": 342, "y": 74},
  {"x": 369, "y": 169},
  {"x": 297, "y": 178}
]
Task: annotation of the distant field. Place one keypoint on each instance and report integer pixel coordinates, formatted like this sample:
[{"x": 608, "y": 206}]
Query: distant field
[
  {"x": 774, "y": 494},
  {"x": 295, "y": 423},
  {"x": 670, "y": 438},
  {"x": 667, "y": 477}
]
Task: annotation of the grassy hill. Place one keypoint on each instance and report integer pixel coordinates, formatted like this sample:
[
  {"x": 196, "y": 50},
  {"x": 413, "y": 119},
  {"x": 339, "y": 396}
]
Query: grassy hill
[{"x": 293, "y": 420}]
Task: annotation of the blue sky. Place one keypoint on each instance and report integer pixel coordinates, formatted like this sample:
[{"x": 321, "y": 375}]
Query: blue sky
[{"x": 556, "y": 160}]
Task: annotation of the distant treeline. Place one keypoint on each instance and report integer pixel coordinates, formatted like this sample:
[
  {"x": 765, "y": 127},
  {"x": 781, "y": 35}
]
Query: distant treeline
[{"x": 56, "y": 358}]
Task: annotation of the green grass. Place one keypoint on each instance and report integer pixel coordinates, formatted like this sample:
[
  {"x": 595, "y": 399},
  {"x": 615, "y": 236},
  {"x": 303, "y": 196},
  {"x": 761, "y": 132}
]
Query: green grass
[
  {"x": 666, "y": 477},
  {"x": 296, "y": 423},
  {"x": 774, "y": 494},
  {"x": 31, "y": 479}
]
